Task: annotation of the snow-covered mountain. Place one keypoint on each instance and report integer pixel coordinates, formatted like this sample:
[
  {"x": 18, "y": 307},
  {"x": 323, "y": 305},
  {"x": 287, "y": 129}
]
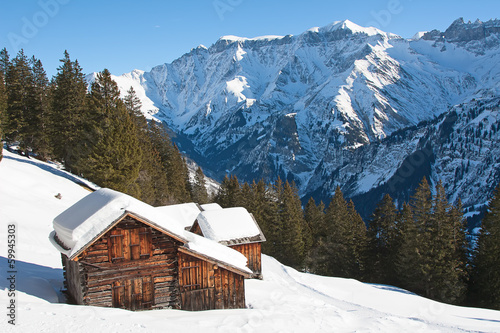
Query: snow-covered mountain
[
  {"x": 321, "y": 108},
  {"x": 34, "y": 192}
]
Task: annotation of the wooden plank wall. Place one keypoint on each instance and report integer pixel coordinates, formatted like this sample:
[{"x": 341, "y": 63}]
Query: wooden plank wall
[
  {"x": 73, "y": 282},
  {"x": 196, "y": 283},
  {"x": 252, "y": 252},
  {"x": 98, "y": 271},
  {"x": 206, "y": 286},
  {"x": 229, "y": 290}
]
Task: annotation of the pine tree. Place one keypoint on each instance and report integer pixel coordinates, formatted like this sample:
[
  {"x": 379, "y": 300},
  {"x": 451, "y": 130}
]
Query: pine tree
[
  {"x": 69, "y": 127},
  {"x": 383, "y": 246},
  {"x": 487, "y": 257},
  {"x": 408, "y": 254},
  {"x": 133, "y": 103},
  {"x": 421, "y": 204},
  {"x": 18, "y": 81},
  {"x": 3, "y": 107},
  {"x": 173, "y": 165},
  {"x": 152, "y": 182},
  {"x": 264, "y": 208},
  {"x": 4, "y": 62},
  {"x": 114, "y": 161},
  {"x": 115, "y": 157},
  {"x": 358, "y": 242},
  {"x": 341, "y": 251},
  {"x": 37, "y": 118},
  {"x": 447, "y": 237},
  {"x": 229, "y": 193},
  {"x": 290, "y": 248},
  {"x": 199, "y": 191}
]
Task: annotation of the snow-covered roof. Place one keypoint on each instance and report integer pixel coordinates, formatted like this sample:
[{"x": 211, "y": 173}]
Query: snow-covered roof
[
  {"x": 81, "y": 224},
  {"x": 185, "y": 213},
  {"x": 209, "y": 248},
  {"x": 230, "y": 226},
  {"x": 211, "y": 206}
]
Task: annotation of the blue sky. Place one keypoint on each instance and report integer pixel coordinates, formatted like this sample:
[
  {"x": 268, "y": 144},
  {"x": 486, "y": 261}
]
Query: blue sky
[{"x": 122, "y": 35}]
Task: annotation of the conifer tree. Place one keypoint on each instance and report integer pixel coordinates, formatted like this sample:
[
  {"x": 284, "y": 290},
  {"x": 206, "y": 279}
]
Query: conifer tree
[
  {"x": 115, "y": 155},
  {"x": 3, "y": 107},
  {"x": 173, "y": 164},
  {"x": 69, "y": 126},
  {"x": 408, "y": 254},
  {"x": 257, "y": 202},
  {"x": 290, "y": 248},
  {"x": 383, "y": 247},
  {"x": 199, "y": 190},
  {"x": 421, "y": 204},
  {"x": 487, "y": 257},
  {"x": 114, "y": 161},
  {"x": 37, "y": 118},
  {"x": 18, "y": 81},
  {"x": 315, "y": 218},
  {"x": 152, "y": 182},
  {"x": 359, "y": 242},
  {"x": 4, "y": 62},
  {"x": 229, "y": 192},
  {"x": 341, "y": 251},
  {"x": 133, "y": 103},
  {"x": 263, "y": 206},
  {"x": 447, "y": 237}
]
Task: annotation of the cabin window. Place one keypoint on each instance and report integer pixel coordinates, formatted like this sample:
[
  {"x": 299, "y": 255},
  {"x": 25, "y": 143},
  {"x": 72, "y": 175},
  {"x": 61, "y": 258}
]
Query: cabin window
[{"x": 130, "y": 244}]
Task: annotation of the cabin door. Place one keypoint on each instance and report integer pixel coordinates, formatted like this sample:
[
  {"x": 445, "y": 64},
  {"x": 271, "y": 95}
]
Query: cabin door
[
  {"x": 133, "y": 294},
  {"x": 196, "y": 285}
]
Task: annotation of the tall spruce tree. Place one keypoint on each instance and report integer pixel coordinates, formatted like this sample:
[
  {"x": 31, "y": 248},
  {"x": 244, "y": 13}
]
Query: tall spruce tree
[
  {"x": 421, "y": 204},
  {"x": 173, "y": 165},
  {"x": 115, "y": 155},
  {"x": 359, "y": 242},
  {"x": 408, "y": 255},
  {"x": 290, "y": 245},
  {"x": 133, "y": 104},
  {"x": 448, "y": 268},
  {"x": 19, "y": 81},
  {"x": 69, "y": 127},
  {"x": 152, "y": 182},
  {"x": 229, "y": 192},
  {"x": 3, "y": 107},
  {"x": 199, "y": 190},
  {"x": 315, "y": 218},
  {"x": 487, "y": 257},
  {"x": 263, "y": 206},
  {"x": 4, "y": 64},
  {"x": 383, "y": 242},
  {"x": 37, "y": 118},
  {"x": 341, "y": 251}
]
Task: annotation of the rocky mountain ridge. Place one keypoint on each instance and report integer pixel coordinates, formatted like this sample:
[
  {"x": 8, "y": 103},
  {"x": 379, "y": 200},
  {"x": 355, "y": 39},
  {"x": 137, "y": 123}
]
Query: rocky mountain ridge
[{"x": 327, "y": 107}]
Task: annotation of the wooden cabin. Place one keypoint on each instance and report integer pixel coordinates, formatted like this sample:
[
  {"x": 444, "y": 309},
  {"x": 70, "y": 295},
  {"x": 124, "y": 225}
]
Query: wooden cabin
[
  {"x": 236, "y": 228},
  {"x": 120, "y": 252}
]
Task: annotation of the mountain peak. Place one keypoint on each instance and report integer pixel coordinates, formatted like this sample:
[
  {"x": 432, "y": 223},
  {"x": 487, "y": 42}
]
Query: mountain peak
[{"x": 351, "y": 26}]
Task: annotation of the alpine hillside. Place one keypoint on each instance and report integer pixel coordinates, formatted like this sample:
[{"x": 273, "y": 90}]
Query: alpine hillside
[{"x": 339, "y": 105}]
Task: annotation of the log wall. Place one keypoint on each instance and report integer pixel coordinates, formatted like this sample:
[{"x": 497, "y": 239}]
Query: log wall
[
  {"x": 142, "y": 275},
  {"x": 252, "y": 252},
  {"x": 204, "y": 285}
]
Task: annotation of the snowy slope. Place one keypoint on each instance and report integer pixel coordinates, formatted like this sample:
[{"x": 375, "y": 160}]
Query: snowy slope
[
  {"x": 291, "y": 106},
  {"x": 285, "y": 301}
]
